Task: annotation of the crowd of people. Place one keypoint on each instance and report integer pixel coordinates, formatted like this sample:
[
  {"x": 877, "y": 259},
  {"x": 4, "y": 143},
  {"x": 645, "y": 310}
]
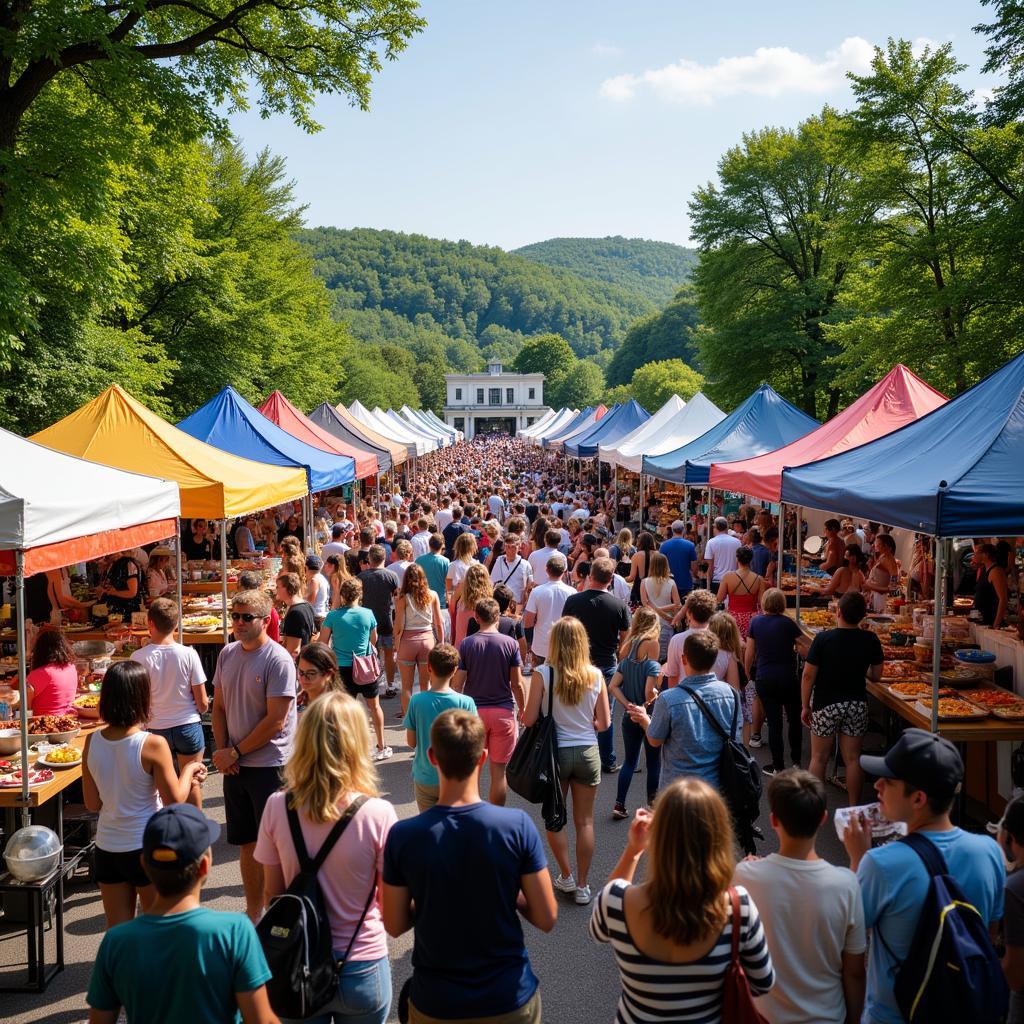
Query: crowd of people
[{"x": 493, "y": 593}]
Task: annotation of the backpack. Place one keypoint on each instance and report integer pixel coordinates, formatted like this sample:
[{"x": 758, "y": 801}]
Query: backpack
[
  {"x": 295, "y": 932},
  {"x": 951, "y": 971},
  {"x": 739, "y": 775}
]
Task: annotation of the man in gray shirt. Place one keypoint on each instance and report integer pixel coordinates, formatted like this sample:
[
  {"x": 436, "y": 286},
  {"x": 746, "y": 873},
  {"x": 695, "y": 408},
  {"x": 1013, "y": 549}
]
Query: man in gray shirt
[{"x": 253, "y": 727}]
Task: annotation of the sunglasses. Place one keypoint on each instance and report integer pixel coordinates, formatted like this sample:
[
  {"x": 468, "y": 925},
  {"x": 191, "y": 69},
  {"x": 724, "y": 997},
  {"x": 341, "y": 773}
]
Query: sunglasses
[
  {"x": 244, "y": 616},
  {"x": 309, "y": 673}
]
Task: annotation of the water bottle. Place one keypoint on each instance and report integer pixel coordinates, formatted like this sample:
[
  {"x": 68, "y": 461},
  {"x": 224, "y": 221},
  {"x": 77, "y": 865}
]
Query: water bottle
[{"x": 8, "y": 700}]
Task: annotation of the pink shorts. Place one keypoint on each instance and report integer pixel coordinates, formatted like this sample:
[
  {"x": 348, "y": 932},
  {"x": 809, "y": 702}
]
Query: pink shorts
[
  {"x": 415, "y": 647},
  {"x": 500, "y": 724}
]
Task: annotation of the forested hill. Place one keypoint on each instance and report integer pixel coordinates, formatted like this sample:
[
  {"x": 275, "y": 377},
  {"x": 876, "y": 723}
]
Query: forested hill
[
  {"x": 483, "y": 295},
  {"x": 653, "y": 269}
]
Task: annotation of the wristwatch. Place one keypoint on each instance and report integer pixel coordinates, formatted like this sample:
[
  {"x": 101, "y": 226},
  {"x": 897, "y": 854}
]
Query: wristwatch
[{"x": 238, "y": 753}]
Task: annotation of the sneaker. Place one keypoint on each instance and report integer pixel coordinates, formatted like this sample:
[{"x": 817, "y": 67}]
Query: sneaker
[
  {"x": 583, "y": 896},
  {"x": 391, "y": 691},
  {"x": 611, "y": 769},
  {"x": 755, "y": 739},
  {"x": 770, "y": 769},
  {"x": 383, "y": 753},
  {"x": 758, "y": 834},
  {"x": 619, "y": 812},
  {"x": 567, "y": 884}
]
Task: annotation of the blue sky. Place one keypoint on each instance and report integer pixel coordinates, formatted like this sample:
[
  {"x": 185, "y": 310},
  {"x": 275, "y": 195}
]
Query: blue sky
[{"x": 511, "y": 121}]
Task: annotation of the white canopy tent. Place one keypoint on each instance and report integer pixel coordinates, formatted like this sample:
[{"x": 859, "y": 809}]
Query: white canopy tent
[
  {"x": 432, "y": 417},
  {"x": 539, "y": 425},
  {"x": 444, "y": 435},
  {"x": 699, "y": 416},
  {"x": 387, "y": 414},
  {"x": 390, "y": 429},
  {"x": 560, "y": 422},
  {"x": 639, "y": 440}
]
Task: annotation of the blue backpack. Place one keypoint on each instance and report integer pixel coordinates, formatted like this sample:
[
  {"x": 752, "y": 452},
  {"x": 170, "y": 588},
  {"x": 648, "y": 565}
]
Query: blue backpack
[{"x": 951, "y": 971}]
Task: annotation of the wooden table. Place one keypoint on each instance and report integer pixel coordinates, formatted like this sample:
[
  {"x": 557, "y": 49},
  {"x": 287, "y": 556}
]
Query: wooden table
[
  {"x": 62, "y": 777},
  {"x": 190, "y": 639},
  {"x": 207, "y": 587}
]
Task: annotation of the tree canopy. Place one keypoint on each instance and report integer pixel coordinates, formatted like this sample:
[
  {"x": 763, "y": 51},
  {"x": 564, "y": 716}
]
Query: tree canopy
[{"x": 654, "y": 384}]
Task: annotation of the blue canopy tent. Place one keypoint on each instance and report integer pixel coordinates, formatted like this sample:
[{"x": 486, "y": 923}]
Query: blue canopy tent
[
  {"x": 612, "y": 427},
  {"x": 230, "y": 423},
  {"x": 570, "y": 428},
  {"x": 763, "y": 422}
]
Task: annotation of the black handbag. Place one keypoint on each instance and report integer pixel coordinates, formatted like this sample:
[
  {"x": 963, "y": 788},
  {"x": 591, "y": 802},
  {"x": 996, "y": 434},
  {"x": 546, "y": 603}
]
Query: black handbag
[{"x": 532, "y": 771}]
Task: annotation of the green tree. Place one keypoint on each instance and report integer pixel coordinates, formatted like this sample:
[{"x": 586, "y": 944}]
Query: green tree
[
  {"x": 546, "y": 353},
  {"x": 775, "y": 243},
  {"x": 618, "y": 394},
  {"x": 664, "y": 335},
  {"x": 370, "y": 380},
  {"x": 580, "y": 385},
  {"x": 655, "y": 383}
]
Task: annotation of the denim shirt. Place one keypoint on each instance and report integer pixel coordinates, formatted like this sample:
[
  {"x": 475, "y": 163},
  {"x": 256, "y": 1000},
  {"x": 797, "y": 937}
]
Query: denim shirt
[{"x": 691, "y": 744}]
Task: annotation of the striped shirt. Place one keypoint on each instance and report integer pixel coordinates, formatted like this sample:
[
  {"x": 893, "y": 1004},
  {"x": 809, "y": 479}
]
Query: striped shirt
[{"x": 653, "y": 990}]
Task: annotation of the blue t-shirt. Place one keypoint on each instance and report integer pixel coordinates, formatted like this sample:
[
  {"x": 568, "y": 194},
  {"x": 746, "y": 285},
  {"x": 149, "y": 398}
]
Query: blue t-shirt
[
  {"x": 178, "y": 969},
  {"x": 894, "y": 883},
  {"x": 419, "y": 716},
  {"x": 435, "y": 568},
  {"x": 774, "y": 654},
  {"x": 681, "y": 554},
  {"x": 469, "y": 959},
  {"x": 350, "y": 631},
  {"x": 691, "y": 744},
  {"x": 762, "y": 556}
]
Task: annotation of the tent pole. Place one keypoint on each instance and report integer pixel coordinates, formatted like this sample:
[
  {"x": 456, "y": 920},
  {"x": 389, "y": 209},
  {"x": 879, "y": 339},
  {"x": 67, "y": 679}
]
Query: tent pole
[
  {"x": 799, "y": 558},
  {"x": 224, "y": 576},
  {"x": 19, "y": 602},
  {"x": 177, "y": 567},
  {"x": 940, "y": 601},
  {"x": 780, "y": 548},
  {"x": 615, "y": 490},
  {"x": 640, "y": 497}
]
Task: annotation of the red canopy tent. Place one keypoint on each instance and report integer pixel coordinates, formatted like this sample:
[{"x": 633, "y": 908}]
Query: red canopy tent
[
  {"x": 899, "y": 398},
  {"x": 279, "y": 410}
]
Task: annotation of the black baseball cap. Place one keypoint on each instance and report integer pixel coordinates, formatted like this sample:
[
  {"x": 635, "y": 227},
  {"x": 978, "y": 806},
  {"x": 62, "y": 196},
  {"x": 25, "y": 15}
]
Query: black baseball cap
[
  {"x": 178, "y": 834},
  {"x": 925, "y": 760}
]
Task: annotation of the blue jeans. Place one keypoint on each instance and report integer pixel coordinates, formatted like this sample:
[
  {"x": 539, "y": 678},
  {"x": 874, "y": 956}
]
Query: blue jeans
[
  {"x": 364, "y": 994},
  {"x": 633, "y": 738},
  {"x": 606, "y": 739}
]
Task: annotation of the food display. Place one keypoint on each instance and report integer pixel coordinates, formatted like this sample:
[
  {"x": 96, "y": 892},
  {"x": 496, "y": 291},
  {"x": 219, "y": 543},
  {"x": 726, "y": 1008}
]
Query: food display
[
  {"x": 897, "y": 653},
  {"x": 900, "y": 670},
  {"x": 201, "y": 623},
  {"x": 952, "y": 708},
  {"x": 52, "y": 724},
  {"x": 61, "y": 757},
  {"x": 912, "y": 690},
  {"x": 87, "y": 705},
  {"x": 818, "y": 619},
  {"x": 1000, "y": 703},
  {"x": 36, "y": 776}
]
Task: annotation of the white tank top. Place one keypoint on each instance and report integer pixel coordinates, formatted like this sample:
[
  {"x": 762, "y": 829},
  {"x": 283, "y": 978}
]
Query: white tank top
[
  {"x": 659, "y": 591},
  {"x": 416, "y": 619},
  {"x": 127, "y": 790},
  {"x": 322, "y": 599}
]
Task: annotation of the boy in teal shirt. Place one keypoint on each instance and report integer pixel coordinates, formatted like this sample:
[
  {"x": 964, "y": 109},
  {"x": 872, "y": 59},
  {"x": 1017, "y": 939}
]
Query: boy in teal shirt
[
  {"x": 423, "y": 708},
  {"x": 180, "y": 963}
]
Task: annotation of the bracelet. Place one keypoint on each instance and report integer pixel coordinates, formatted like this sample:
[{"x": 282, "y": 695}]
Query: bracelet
[{"x": 238, "y": 753}]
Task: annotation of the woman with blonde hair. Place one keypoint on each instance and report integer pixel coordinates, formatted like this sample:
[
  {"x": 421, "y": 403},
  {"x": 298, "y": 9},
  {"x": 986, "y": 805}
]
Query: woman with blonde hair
[
  {"x": 636, "y": 682},
  {"x": 330, "y": 779},
  {"x": 476, "y": 586},
  {"x": 724, "y": 626},
  {"x": 659, "y": 593},
  {"x": 579, "y": 706},
  {"x": 672, "y": 934},
  {"x": 464, "y": 555},
  {"x": 417, "y": 628},
  {"x": 623, "y": 551},
  {"x": 336, "y": 571}
]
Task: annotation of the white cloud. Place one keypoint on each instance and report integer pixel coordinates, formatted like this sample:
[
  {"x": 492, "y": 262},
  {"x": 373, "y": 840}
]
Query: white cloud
[
  {"x": 768, "y": 71},
  {"x": 604, "y": 50}
]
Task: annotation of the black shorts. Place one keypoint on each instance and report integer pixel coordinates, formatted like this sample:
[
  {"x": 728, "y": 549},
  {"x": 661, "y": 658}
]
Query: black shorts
[
  {"x": 367, "y": 690},
  {"x": 245, "y": 796},
  {"x": 120, "y": 868}
]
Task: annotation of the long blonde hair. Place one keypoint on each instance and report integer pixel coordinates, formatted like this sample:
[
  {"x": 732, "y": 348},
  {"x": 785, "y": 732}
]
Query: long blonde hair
[
  {"x": 476, "y": 586},
  {"x": 659, "y": 567},
  {"x": 331, "y": 757},
  {"x": 723, "y": 625},
  {"x": 569, "y": 653},
  {"x": 645, "y": 626},
  {"x": 690, "y": 862}
]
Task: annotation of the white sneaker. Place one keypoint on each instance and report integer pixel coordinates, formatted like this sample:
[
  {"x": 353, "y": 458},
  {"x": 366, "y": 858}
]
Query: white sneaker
[
  {"x": 583, "y": 896},
  {"x": 567, "y": 884},
  {"x": 755, "y": 739},
  {"x": 382, "y": 754}
]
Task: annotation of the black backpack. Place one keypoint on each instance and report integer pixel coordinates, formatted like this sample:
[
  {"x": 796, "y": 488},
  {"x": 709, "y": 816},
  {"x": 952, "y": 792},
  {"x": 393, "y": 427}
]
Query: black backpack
[
  {"x": 739, "y": 775},
  {"x": 951, "y": 971},
  {"x": 295, "y": 932}
]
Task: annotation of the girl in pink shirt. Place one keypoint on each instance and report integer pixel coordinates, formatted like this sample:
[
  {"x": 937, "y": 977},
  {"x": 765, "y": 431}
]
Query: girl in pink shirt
[
  {"x": 330, "y": 769},
  {"x": 52, "y": 684}
]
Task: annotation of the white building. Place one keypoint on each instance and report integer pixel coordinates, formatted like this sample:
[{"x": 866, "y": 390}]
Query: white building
[{"x": 493, "y": 402}]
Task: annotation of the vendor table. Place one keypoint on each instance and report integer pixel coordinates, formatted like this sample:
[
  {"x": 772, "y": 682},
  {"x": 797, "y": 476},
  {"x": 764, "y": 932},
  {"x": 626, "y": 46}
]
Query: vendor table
[
  {"x": 191, "y": 639},
  {"x": 1009, "y": 651},
  {"x": 208, "y": 587}
]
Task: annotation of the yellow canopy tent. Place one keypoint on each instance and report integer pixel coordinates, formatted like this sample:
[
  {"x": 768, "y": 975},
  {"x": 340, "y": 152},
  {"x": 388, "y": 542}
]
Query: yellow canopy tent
[{"x": 117, "y": 430}]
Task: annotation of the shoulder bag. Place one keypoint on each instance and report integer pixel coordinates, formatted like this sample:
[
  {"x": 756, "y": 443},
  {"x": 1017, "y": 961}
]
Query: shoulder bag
[
  {"x": 737, "y": 1002},
  {"x": 366, "y": 668}
]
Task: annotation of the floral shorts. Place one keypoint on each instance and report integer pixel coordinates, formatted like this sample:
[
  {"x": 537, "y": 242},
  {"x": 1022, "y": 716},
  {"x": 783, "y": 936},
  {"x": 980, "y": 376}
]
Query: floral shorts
[{"x": 849, "y": 717}]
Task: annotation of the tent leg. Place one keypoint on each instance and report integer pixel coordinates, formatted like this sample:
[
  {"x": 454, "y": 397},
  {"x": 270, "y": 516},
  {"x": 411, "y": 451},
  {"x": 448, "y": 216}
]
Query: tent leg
[
  {"x": 224, "y": 576},
  {"x": 19, "y": 602},
  {"x": 615, "y": 490},
  {"x": 177, "y": 568},
  {"x": 799, "y": 559},
  {"x": 940, "y": 602},
  {"x": 780, "y": 548},
  {"x": 640, "y": 502}
]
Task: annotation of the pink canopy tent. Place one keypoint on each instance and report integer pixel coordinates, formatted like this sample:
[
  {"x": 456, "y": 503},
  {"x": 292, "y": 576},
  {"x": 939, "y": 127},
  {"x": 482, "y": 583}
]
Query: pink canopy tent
[
  {"x": 279, "y": 410},
  {"x": 899, "y": 398}
]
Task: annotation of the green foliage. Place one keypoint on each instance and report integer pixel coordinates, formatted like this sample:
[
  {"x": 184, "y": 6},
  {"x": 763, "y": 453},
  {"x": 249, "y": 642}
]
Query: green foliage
[
  {"x": 665, "y": 335},
  {"x": 653, "y": 269},
  {"x": 549, "y": 354},
  {"x": 373, "y": 381},
  {"x": 579, "y": 385},
  {"x": 464, "y": 290},
  {"x": 654, "y": 384},
  {"x": 618, "y": 395}
]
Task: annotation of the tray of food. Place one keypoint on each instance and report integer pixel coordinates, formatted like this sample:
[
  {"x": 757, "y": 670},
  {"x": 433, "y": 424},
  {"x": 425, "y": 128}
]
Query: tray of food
[
  {"x": 1000, "y": 703},
  {"x": 912, "y": 690},
  {"x": 897, "y": 653},
  {"x": 952, "y": 709},
  {"x": 961, "y": 676},
  {"x": 36, "y": 777},
  {"x": 818, "y": 619},
  {"x": 900, "y": 670},
  {"x": 61, "y": 758}
]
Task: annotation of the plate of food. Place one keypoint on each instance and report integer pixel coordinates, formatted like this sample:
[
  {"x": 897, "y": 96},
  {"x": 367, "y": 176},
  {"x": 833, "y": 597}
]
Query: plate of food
[
  {"x": 61, "y": 758},
  {"x": 77, "y": 627},
  {"x": 87, "y": 705},
  {"x": 36, "y": 777},
  {"x": 900, "y": 670},
  {"x": 911, "y": 690},
  {"x": 952, "y": 709}
]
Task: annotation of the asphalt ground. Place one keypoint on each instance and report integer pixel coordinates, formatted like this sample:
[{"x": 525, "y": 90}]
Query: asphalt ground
[{"x": 578, "y": 978}]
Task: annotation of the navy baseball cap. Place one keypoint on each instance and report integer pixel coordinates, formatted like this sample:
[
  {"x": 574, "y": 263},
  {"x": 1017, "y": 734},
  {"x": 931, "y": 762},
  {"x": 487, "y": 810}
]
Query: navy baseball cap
[
  {"x": 178, "y": 834},
  {"x": 925, "y": 760}
]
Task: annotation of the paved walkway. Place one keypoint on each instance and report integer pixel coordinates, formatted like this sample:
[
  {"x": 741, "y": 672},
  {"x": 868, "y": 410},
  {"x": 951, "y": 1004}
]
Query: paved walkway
[{"x": 579, "y": 981}]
